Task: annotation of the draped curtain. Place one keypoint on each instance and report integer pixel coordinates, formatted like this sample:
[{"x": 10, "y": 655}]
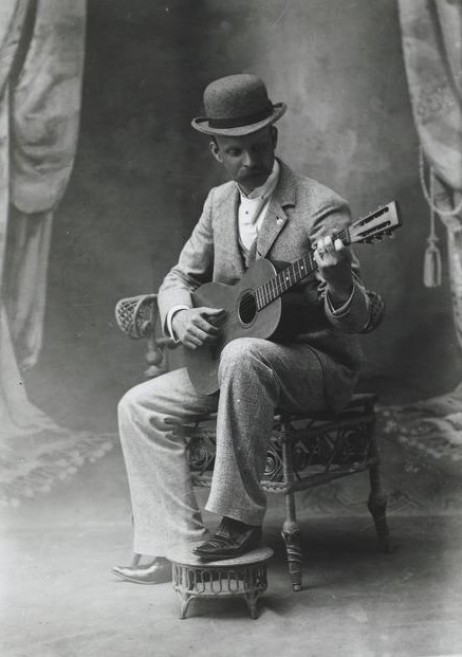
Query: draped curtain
[
  {"x": 41, "y": 64},
  {"x": 432, "y": 48}
]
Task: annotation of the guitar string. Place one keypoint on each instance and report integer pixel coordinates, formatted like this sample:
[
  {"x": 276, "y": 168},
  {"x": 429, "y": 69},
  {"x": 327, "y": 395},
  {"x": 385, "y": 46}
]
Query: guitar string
[
  {"x": 288, "y": 274},
  {"x": 266, "y": 292},
  {"x": 265, "y": 289},
  {"x": 252, "y": 300}
]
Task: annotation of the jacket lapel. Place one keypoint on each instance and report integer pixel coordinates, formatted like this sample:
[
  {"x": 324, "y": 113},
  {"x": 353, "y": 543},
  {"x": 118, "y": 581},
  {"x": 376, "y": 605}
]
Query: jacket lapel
[
  {"x": 228, "y": 231},
  {"x": 284, "y": 196}
]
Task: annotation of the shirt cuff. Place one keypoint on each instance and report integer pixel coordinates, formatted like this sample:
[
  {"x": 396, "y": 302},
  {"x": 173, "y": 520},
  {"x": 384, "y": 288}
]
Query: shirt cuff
[
  {"x": 338, "y": 312},
  {"x": 168, "y": 321}
]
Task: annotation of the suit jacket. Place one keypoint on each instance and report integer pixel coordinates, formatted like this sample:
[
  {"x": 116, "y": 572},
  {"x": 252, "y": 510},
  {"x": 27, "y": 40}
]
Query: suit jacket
[{"x": 301, "y": 211}]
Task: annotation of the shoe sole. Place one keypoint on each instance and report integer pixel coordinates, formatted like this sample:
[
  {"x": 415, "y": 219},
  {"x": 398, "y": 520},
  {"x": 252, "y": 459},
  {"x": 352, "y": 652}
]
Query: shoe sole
[{"x": 229, "y": 555}]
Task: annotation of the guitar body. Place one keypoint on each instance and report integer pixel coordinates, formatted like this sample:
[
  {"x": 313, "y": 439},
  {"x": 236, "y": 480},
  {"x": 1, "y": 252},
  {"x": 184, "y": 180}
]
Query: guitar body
[
  {"x": 242, "y": 320},
  {"x": 240, "y": 300}
]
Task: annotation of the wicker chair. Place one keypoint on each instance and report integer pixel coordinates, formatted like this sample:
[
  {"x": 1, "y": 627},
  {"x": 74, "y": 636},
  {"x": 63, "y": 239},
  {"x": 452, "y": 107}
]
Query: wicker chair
[{"x": 304, "y": 450}]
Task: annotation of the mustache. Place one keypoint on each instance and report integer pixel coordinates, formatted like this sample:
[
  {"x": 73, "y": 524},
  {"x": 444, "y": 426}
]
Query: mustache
[{"x": 251, "y": 173}]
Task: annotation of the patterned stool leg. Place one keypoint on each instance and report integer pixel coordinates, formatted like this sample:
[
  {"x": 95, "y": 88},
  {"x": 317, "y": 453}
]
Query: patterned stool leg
[
  {"x": 377, "y": 502},
  {"x": 291, "y": 532},
  {"x": 251, "y": 601},
  {"x": 185, "y": 601},
  {"x": 182, "y": 580}
]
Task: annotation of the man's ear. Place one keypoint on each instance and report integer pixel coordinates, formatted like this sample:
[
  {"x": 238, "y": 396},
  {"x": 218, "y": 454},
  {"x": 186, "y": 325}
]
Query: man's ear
[
  {"x": 274, "y": 136},
  {"x": 214, "y": 149}
]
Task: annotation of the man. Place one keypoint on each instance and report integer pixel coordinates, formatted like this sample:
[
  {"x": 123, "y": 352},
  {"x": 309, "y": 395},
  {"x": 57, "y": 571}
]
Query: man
[{"x": 264, "y": 211}]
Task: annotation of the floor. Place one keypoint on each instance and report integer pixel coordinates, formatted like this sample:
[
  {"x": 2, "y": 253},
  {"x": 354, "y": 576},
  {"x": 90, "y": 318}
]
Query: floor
[{"x": 59, "y": 598}]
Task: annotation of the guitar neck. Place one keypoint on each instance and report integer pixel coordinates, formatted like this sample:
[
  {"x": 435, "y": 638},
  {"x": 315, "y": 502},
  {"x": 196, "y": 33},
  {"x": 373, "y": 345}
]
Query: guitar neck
[{"x": 290, "y": 275}]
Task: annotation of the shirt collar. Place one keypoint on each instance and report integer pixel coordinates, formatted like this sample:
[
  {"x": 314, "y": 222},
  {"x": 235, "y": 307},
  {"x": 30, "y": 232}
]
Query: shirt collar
[{"x": 268, "y": 187}]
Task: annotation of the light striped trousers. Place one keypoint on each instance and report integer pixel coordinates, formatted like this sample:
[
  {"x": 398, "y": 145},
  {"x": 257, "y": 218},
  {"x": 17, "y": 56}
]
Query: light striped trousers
[{"x": 256, "y": 376}]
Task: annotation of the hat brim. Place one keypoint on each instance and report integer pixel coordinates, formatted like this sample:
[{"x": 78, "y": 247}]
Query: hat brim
[{"x": 201, "y": 123}]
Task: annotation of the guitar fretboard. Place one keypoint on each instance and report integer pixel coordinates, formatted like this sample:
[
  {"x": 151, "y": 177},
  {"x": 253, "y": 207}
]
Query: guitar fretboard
[{"x": 290, "y": 275}]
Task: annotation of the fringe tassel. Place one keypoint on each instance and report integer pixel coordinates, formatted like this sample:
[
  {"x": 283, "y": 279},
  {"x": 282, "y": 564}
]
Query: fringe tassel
[
  {"x": 432, "y": 265},
  {"x": 432, "y": 276}
]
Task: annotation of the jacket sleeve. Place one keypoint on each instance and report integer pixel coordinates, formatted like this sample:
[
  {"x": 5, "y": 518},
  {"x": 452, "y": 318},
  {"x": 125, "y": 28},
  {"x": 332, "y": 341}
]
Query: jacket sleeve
[
  {"x": 194, "y": 267},
  {"x": 333, "y": 216}
]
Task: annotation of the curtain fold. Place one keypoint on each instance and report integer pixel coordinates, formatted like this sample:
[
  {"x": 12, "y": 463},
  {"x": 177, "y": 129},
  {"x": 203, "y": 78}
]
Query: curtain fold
[
  {"x": 454, "y": 233},
  {"x": 432, "y": 49},
  {"x": 431, "y": 38},
  {"x": 41, "y": 67},
  {"x": 25, "y": 282}
]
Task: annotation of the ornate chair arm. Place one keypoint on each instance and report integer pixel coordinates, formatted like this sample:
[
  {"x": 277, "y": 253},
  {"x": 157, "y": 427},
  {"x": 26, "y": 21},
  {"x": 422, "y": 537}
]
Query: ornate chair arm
[{"x": 138, "y": 317}]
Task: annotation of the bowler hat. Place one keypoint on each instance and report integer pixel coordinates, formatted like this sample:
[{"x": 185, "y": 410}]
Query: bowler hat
[{"x": 237, "y": 105}]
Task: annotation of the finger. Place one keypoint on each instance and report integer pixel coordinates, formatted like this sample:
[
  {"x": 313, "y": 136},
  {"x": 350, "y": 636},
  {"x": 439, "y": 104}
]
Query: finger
[
  {"x": 218, "y": 320},
  {"x": 318, "y": 256},
  {"x": 197, "y": 338},
  {"x": 202, "y": 324},
  {"x": 212, "y": 312},
  {"x": 343, "y": 252},
  {"x": 211, "y": 339},
  {"x": 198, "y": 334},
  {"x": 214, "y": 316},
  {"x": 218, "y": 317},
  {"x": 323, "y": 245},
  {"x": 191, "y": 342},
  {"x": 328, "y": 245}
]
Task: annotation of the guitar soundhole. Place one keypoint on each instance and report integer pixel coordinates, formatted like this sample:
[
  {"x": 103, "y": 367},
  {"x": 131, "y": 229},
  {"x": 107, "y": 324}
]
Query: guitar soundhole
[{"x": 247, "y": 308}]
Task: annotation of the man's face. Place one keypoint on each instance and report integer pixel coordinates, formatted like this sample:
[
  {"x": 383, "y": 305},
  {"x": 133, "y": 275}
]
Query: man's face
[{"x": 248, "y": 160}]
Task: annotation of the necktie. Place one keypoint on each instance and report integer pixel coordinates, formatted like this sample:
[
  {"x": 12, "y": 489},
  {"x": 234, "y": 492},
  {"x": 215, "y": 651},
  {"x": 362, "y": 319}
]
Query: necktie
[{"x": 251, "y": 254}]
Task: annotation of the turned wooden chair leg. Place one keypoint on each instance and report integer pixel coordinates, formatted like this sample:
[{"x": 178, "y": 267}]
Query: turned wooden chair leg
[
  {"x": 293, "y": 541},
  {"x": 291, "y": 532},
  {"x": 377, "y": 502}
]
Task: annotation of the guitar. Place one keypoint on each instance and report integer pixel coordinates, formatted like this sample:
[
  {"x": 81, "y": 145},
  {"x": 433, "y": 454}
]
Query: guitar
[{"x": 254, "y": 305}]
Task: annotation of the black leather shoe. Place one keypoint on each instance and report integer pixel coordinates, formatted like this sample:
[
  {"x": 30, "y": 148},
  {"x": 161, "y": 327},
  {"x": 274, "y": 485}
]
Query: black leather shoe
[
  {"x": 232, "y": 539},
  {"x": 157, "y": 572}
]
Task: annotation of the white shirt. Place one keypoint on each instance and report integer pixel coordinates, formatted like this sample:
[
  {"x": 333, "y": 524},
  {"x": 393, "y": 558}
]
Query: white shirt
[{"x": 253, "y": 208}]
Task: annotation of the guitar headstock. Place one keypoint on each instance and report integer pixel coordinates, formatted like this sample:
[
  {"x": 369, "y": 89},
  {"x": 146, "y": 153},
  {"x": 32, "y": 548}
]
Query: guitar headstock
[{"x": 376, "y": 225}]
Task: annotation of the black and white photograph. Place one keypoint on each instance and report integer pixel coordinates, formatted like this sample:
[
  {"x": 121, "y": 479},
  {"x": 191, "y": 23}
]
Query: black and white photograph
[{"x": 231, "y": 328}]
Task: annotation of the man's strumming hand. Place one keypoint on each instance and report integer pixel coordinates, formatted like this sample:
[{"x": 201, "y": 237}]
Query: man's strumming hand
[{"x": 197, "y": 326}]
